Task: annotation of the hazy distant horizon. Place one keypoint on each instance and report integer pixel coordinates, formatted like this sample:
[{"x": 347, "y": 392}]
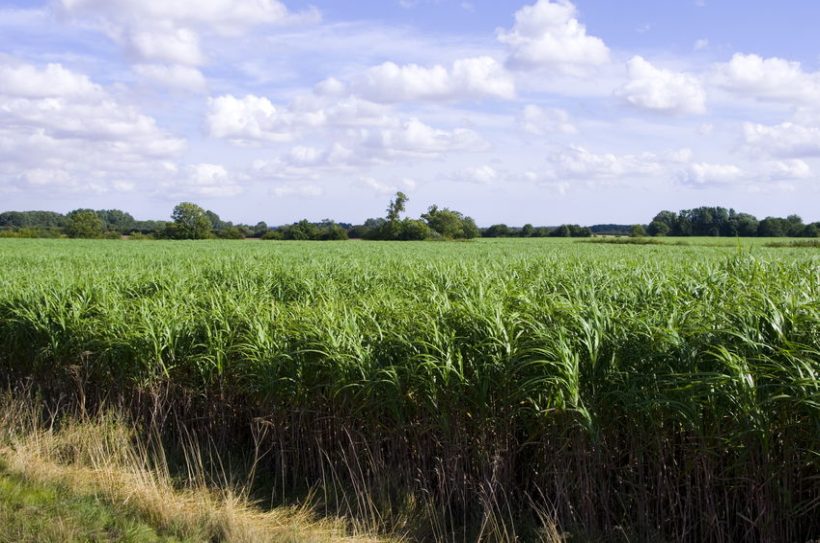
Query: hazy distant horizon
[{"x": 542, "y": 112}]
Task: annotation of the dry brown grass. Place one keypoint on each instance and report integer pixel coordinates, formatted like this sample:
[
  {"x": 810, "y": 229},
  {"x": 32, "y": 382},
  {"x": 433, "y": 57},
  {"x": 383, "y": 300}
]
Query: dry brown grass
[{"x": 104, "y": 457}]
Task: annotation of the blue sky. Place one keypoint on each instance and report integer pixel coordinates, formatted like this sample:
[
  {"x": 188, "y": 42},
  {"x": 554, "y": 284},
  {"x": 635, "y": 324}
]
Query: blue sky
[{"x": 543, "y": 111}]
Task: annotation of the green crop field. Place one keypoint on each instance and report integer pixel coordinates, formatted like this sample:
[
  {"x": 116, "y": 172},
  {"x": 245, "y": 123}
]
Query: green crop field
[{"x": 667, "y": 392}]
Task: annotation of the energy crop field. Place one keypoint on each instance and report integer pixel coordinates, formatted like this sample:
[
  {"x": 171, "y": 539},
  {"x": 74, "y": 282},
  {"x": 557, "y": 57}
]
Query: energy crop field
[{"x": 664, "y": 392}]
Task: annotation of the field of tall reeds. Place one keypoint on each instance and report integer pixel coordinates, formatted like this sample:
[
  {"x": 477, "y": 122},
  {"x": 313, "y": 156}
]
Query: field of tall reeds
[{"x": 621, "y": 392}]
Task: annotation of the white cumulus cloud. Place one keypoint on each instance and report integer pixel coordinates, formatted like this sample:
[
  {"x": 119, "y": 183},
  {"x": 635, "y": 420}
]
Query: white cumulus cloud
[
  {"x": 773, "y": 79},
  {"x": 783, "y": 140},
  {"x": 382, "y": 187},
  {"x": 541, "y": 121},
  {"x": 704, "y": 174},
  {"x": 61, "y": 130},
  {"x": 662, "y": 90},
  {"x": 547, "y": 34},
  {"x": 208, "y": 180},
  {"x": 579, "y": 163},
  {"x": 248, "y": 118},
  {"x": 467, "y": 78},
  {"x": 154, "y": 32},
  {"x": 174, "y": 76},
  {"x": 49, "y": 81}
]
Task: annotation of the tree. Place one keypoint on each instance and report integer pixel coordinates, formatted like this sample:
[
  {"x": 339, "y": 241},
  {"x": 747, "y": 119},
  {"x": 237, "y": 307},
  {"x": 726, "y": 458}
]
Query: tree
[
  {"x": 812, "y": 230},
  {"x": 396, "y": 206},
  {"x": 669, "y": 219},
  {"x": 331, "y": 231},
  {"x": 260, "y": 229},
  {"x": 658, "y": 228},
  {"x": 794, "y": 226},
  {"x": 450, "y": 224},
  {"x": 231, "y": 232},
  {"x": 84, "y": 223},
  {"x": 637, "y": 231},
  {"x": 497, "y": 231},
  {"x": 116, "y": 220},
  {"x": 300, "y": 231},
  {"x": 745, "y": 225},
  {"x": 216, "y": 222},
  {"x": 772, "y": 227},
  {"x": 414, "y": 230},
  {"x": 527, "y": 231},
  {"x": 190, "y": 222},
  {"x": 562, "y": 231}
]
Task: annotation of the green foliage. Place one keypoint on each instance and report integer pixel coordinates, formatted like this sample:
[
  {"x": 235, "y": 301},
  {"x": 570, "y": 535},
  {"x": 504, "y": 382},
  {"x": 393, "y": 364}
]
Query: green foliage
[
  {"x": 498, "y": 231},
  {"x": 117, "y": 221},
  {"x": 637, "y": 231},
  {"x": 31, "y": 219},
  {"x": 31, "y": 233},
  {"x": 36, "y": 513},
  {"x": 658, "y": 228},
  {"x": 260, "y": 229},
  {"x": 305, "y": 230},
  {"x": 231, "y": 232},
  {"x": 190, "y": 222},
  {"x": 330, "y": 231},
  {"x": 571, "y": 231},
  {"x": 450, "y": 224},
  {"x": 84, "y": 223},
  {"x": 625, "y": 386},
  {"x": 396, "y": 207}
]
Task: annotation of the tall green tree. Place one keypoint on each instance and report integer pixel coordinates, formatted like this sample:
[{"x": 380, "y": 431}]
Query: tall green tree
[
  {"x": 450, "y": 224},
  {"x": 396, "y": 206},
  {"x": 84, "y": 223},
  {"x": 191, "y": 222},
  {"x": 637, "y": 231}
]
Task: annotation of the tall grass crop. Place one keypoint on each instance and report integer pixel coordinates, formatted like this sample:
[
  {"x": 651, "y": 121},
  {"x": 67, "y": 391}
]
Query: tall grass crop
[{"x": 662, "y": 392}]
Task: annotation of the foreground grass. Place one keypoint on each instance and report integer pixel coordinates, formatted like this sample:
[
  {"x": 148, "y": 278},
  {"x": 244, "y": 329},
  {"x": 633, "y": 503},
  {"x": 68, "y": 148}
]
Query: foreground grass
[
  {"x": 32, "y": 512},
  {"x": 95, "y": 479},
  {"x": 667, "y": 391}
]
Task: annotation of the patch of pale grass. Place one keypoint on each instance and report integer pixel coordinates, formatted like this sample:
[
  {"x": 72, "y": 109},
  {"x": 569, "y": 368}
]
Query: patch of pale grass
[{"x": 101, "y": 457}]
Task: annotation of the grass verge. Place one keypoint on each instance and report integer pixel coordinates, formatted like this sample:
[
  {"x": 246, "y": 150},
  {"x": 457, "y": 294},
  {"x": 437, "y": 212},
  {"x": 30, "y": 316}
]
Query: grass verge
[{"x": 96, "y": 480}]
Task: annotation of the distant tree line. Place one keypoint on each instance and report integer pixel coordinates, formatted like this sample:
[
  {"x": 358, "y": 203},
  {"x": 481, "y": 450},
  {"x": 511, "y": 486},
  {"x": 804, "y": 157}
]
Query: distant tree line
[
  {"x": 530, "y": 231},
  {"x": 719, "y": 221},
  {"x": 190, "y": 221}
]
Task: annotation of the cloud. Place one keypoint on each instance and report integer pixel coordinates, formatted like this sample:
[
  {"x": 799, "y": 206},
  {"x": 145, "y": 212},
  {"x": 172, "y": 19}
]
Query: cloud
[
  {"x": 298, "y": 190},
  {"x": 224, "y": 15},
  {"x": 60, "y": 130},
  {"x": 470, "y": 78},
  {"x": 709, "y": 175},
  {"x": 701, "y": 44},
  {"x": 165, "y": 43},
  {"x": 772, "y": 79},
  {"x": 414, "y": 138},
  {"x": 788, "y": 169},
  {"x": 203, "y": 180},
  {"x": 175, "y": 76},
  {"x": 256, "y": 119},
  {"x": 249, "y": 118},
  {"x": 381, "y": 187},
  {"x": 480, "y": 175},
  {"x": 366, "y": 131},
  {"x": 50, "y": 81},
  {"x": 703, "y": 174},
  {"x": 154, "y": 32},
  {"x": 783, "y": 140},
  {"x": 546, "y": 121},
  {"x": 662, "y": 90},
  {"x": 579, "y": 163},
  {"x": 548, "y": 35}
]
